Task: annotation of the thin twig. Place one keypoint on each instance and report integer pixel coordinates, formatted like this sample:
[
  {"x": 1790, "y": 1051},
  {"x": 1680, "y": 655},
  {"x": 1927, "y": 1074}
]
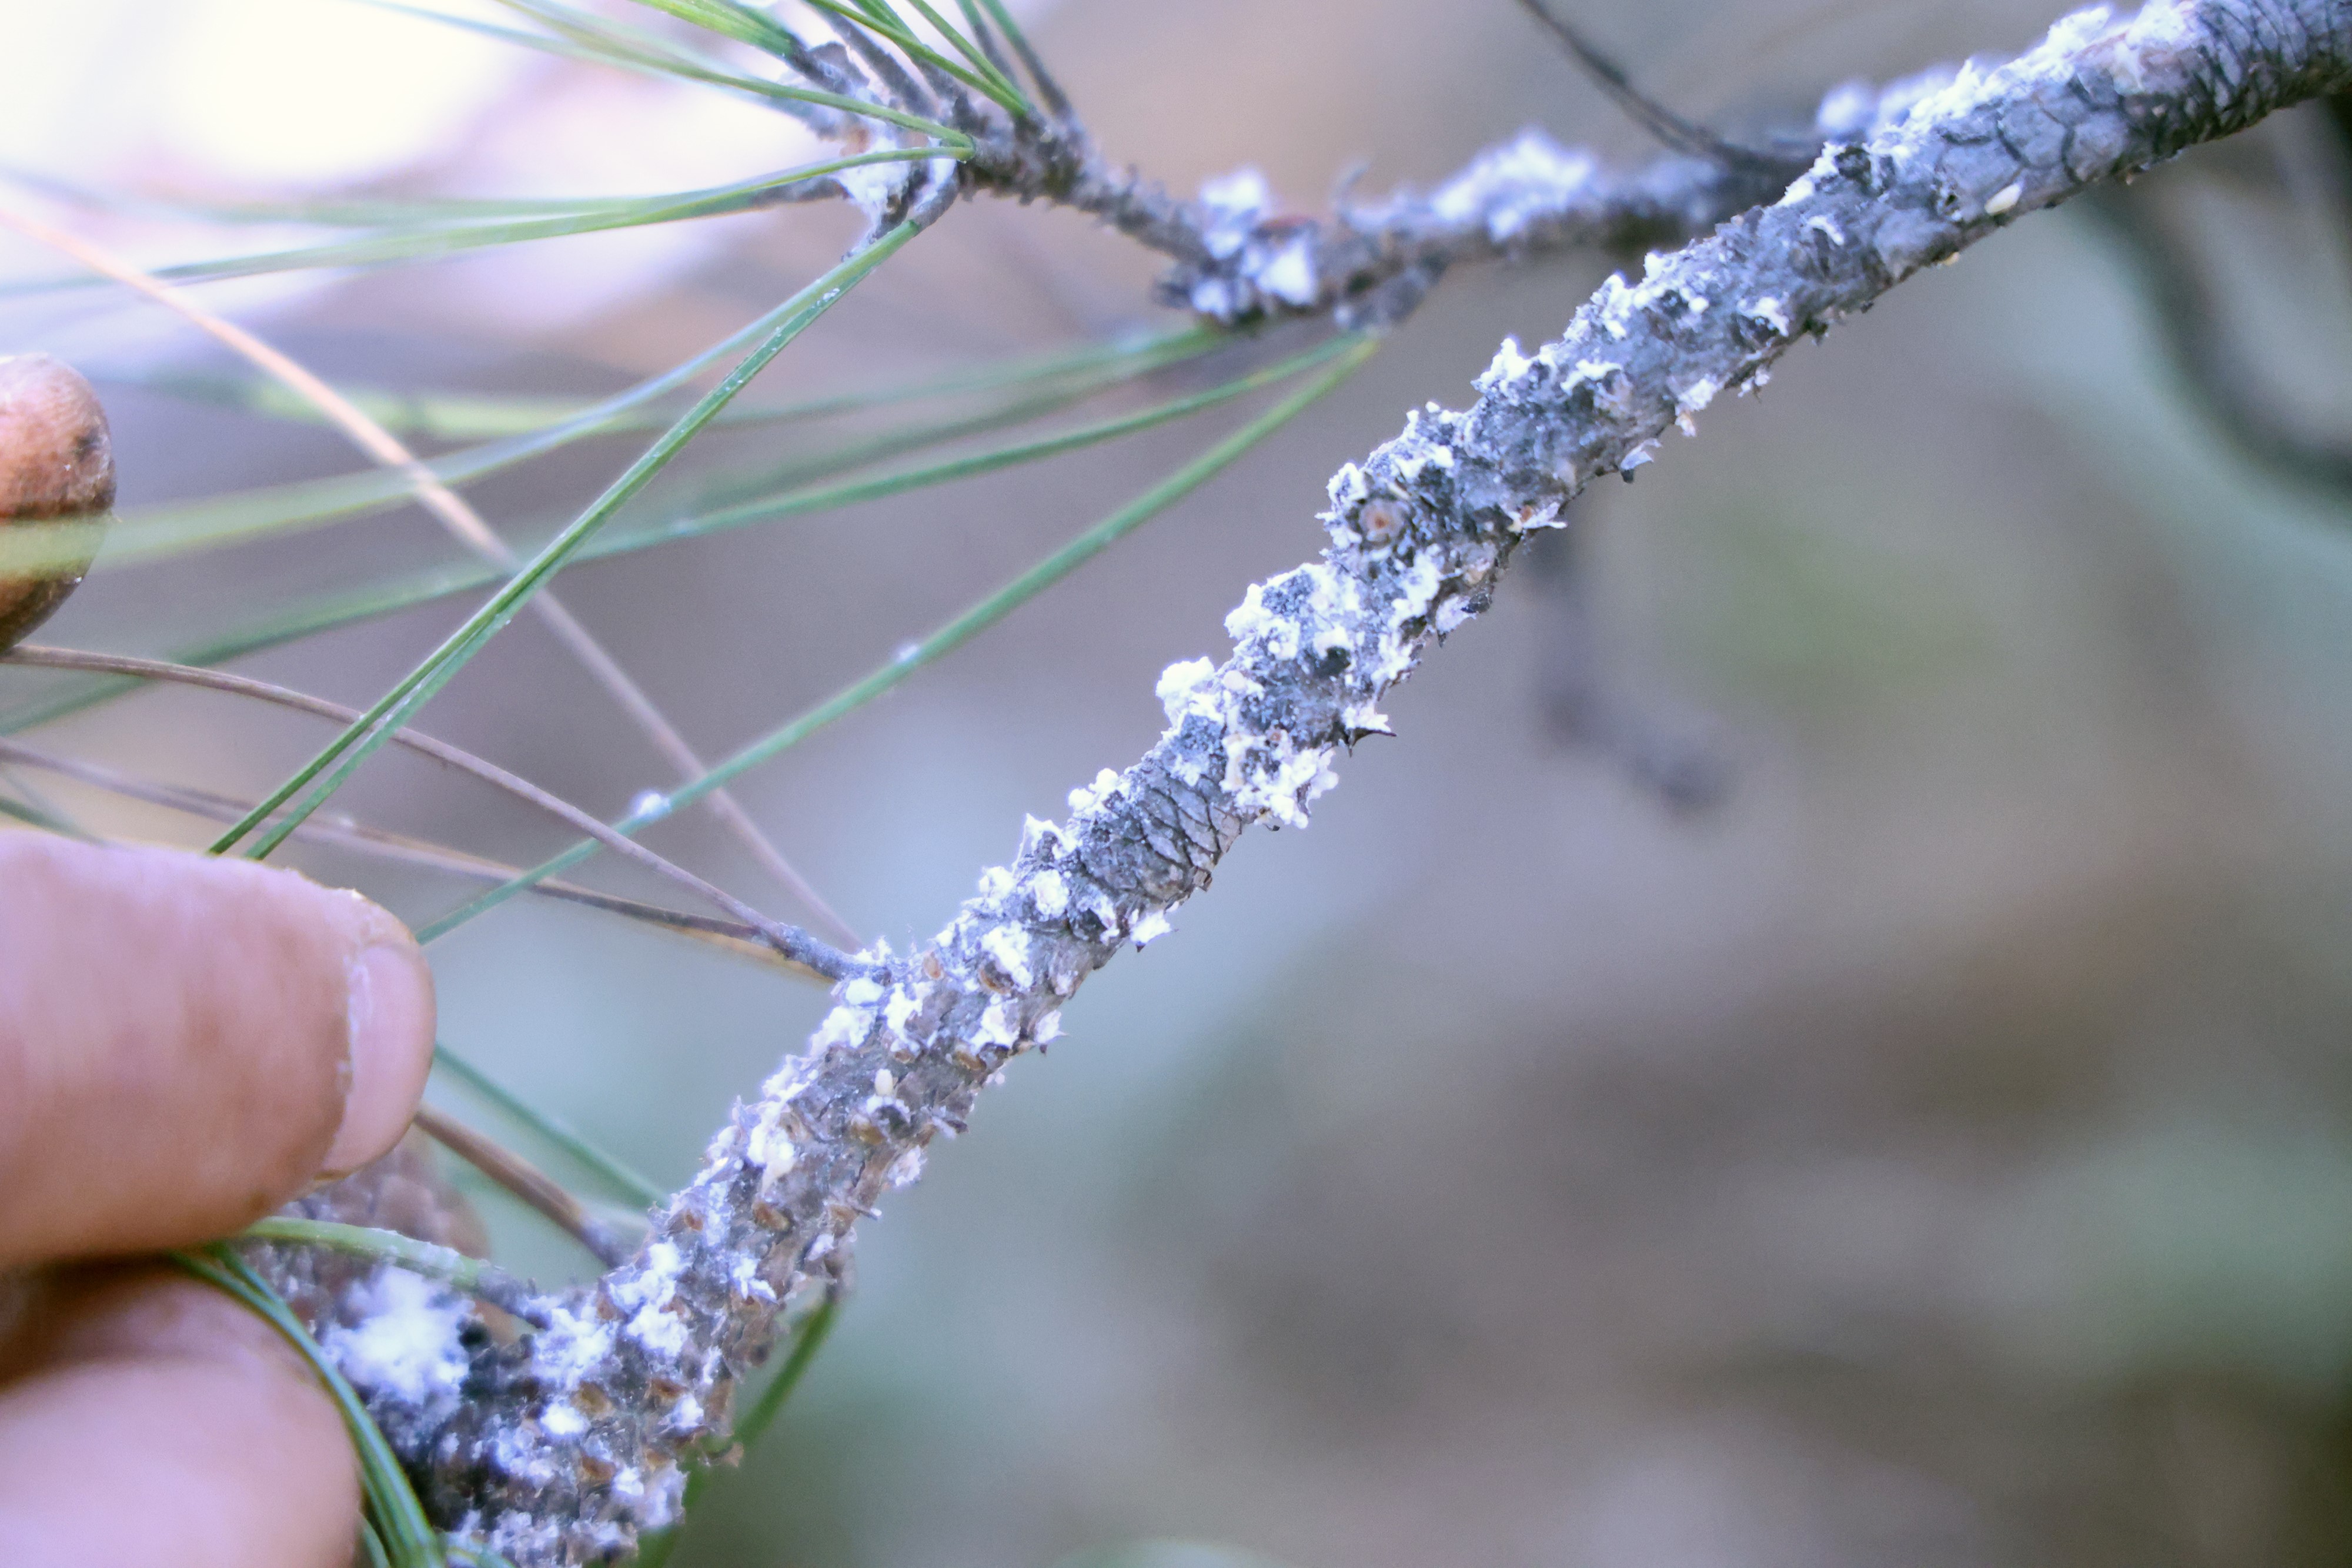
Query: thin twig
[
  {"x": 730, "y": 936},
  {"x": 1350, "y": 349},
  {"x": 527, "y": 1182},
  {"x": 787, "y": 940},
  {"x": 641, "y": 1193},
  {"x": 38, "y": 810},
  {"x": 458, "y": 516},
  {"x": 2186, "y": 309},
  {"x": 1671, "y": 129},
  {"x": 544, "y": 1464}
]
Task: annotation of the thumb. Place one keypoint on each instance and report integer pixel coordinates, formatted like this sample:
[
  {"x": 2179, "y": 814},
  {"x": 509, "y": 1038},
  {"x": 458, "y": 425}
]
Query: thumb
[{"x": 186, "y": 1042}]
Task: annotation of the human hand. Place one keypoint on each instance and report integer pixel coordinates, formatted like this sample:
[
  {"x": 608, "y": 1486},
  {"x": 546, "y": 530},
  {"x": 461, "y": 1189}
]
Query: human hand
[{"x": 185, "y": 1044}]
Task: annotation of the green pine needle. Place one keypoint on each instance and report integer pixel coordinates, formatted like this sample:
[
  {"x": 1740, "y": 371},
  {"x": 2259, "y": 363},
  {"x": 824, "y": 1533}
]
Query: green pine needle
[
  {"x": 404, "y": 1535},
  {"x": 481, "y": 416},
  {"x": 590, "y": 40},
  {"x": 614, "y": 43},
  {"x": 425, "y": 241},
  {"x": 887, "y": 25},
  {"x": 444, "y": 1263},
  {"x": 551, "y": 1127},
  {"x": 821, "y": 499},
  {"x": 345, "y": 607},
  {"x": 731, "y": 20},
  {"x": 475, "y": 1556},
  {"x": 1029, "y": 56},
  {"x": 33, "y": 816},
  {"x": 807, "y": 1340},
  {"x": 344, "y": 756},
  {"x": 332, "y": 212},
  {"x": 159, "y": 532},
  {"x": 230, "y": 519},
  {"x": 1018, "y": 100},
  {"x": 1352, "y": 351}
]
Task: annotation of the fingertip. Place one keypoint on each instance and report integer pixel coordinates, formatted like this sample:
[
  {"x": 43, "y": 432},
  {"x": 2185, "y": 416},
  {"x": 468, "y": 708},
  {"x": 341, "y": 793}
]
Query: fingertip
[
  {"x": 226, "y": 1032},
  {"x": 389, "y": 1024},
  {"x": 140, "y": 1384},
  {"x": 389, "y": 1011}
]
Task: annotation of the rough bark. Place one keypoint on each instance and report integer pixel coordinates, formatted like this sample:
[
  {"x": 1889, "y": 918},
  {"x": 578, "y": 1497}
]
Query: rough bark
[
  {"x": 1239, "y": 258},
  {"x": 559, "y": 1447}
]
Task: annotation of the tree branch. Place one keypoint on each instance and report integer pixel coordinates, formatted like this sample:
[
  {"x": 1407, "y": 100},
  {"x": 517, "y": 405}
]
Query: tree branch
[
  {"x": 559, "y": 1447},
  {"x": 1237, "y": 259}
]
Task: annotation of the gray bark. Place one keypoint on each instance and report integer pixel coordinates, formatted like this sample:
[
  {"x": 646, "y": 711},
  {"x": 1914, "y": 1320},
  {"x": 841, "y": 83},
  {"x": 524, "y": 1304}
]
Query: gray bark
[
  {"x": 559, "y": 1447},
  {"x": 1237, "y": 258}
]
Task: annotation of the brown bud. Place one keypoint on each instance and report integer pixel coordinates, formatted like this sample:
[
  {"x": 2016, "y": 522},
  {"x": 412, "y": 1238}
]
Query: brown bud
[{"x": 56, "y": 468}]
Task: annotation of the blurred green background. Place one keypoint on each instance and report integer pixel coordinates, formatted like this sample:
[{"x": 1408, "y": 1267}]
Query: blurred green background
[{"x": 1935, "y": 1151}]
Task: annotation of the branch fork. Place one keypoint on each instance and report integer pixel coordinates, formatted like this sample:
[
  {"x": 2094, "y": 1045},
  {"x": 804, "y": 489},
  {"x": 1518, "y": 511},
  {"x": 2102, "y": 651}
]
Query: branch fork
[{"x": 561, "y": 1445}]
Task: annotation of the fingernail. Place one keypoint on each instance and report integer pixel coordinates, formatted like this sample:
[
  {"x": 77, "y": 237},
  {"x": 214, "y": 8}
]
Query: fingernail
[{"x": 391, "y": 1050}]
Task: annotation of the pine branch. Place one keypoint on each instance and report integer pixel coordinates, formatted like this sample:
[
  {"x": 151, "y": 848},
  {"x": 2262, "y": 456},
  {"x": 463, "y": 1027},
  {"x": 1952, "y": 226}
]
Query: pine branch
[
  {"x": 568, "y": 1443},
  {"x": 1239, "y": 260}
]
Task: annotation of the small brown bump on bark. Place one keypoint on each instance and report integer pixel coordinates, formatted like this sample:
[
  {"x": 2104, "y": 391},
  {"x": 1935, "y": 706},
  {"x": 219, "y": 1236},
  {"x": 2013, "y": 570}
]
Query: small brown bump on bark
[{"x": 56, "y": 470}]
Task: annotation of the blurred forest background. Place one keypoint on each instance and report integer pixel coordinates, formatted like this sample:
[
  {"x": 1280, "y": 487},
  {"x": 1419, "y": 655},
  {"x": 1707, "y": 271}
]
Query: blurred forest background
[{"x": 1925, "y": 1139}]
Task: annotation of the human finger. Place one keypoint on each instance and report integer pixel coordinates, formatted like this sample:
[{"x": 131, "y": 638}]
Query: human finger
[
  {"x": 186, "y": 1042},
  {"x": 147, "y": 1419}
]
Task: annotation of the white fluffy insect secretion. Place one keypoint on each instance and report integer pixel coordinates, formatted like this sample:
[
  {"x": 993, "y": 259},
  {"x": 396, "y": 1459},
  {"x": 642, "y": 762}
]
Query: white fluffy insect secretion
[
  {"x": 405, "y": 1342},
  {"x": 1233, "y": 205},
  {"x": 1007, "y": 947},
  {"x": 873, "y": 188},
  {"x": 1184, "y": 689},
  {"x": 1507, "y": 190},
  {"x": 1260, "y": 261}
]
